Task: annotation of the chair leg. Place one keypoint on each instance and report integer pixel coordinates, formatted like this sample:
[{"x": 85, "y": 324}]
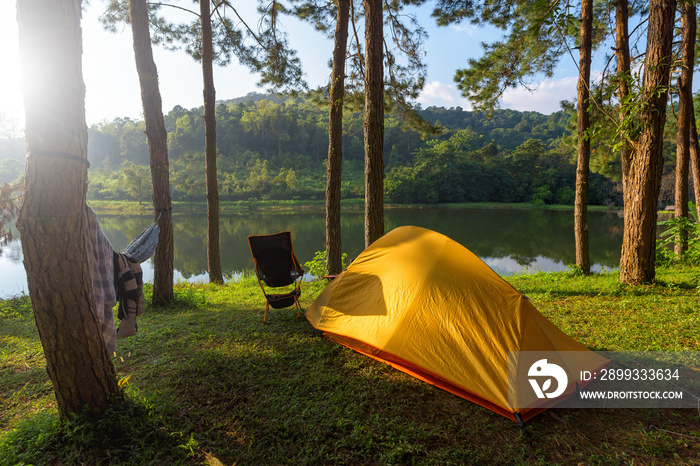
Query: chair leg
[
  {"x": 296, "y": 303},
  {"x": 267, "y": 306}
]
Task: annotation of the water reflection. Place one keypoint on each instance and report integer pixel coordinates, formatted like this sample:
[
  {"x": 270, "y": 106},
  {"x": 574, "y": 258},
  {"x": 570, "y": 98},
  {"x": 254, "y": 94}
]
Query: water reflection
[{"x": 509, "y": 241}]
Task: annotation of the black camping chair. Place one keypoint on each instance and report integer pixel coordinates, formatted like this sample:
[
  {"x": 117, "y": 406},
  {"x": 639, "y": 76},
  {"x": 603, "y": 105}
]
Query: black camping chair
[{"x": 276, "y": 266}]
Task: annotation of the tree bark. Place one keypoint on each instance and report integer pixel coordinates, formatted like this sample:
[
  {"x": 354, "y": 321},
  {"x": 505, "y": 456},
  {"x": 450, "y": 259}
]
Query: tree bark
[
  {"x": 695, "y": 161},
  {"x": 374, "y": 121},
  {"x": 583, "y": 261},
  {"x": 334, "y": 254},
  {"x": 213, "y": 252},
  {"x": 646, "y": 167},
  {"x": 622, "y": 54},
  {"x": 685, "y": 110},
  {"x": 52, "y": 219},
  {"x": 157, "y": 151}
]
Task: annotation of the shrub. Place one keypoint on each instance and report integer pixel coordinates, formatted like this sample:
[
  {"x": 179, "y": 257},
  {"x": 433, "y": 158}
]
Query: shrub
[
  {"x": 665, "y": 254},
  {"x": 317, "y": 265}
]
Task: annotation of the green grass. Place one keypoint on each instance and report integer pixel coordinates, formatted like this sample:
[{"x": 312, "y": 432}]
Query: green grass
[
  {"x": 207, "y": 382},
  {"x": 495, "y": 206}
]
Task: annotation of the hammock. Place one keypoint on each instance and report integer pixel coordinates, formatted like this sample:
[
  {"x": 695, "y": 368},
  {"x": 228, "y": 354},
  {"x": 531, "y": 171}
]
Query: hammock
[{"x": 143, "y": 246}]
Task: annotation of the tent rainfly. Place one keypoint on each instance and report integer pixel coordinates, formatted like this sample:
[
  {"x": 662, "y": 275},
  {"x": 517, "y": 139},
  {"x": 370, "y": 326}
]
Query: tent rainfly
[{"x": 426, "y": 305}]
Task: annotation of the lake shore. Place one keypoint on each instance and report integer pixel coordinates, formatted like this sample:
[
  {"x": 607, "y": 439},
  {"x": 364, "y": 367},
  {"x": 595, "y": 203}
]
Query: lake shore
[
  {"x": 133, "y": 207},
  {"x": 508, "y": 240}
]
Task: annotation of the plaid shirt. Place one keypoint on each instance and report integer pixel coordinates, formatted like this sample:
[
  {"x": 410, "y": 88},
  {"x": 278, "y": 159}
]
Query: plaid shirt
[{"x": 102, "y": 271}]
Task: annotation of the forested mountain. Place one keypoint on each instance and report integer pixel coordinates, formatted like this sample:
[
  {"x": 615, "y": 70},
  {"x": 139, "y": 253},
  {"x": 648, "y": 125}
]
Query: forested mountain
[
  {"x": 273, "y": 125},
  {"x": 274, "y": 147}
]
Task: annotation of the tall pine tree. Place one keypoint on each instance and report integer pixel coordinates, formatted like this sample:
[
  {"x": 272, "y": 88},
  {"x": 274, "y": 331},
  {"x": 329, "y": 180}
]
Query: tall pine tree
[
  {"x": 374, "y": 120},
  {"x": 583, "y": 125},
  {"x": 157, "y": 151},
  {"x": 52, "y": 219},
  {"x": 637, "y": 264},
  {"x": 334, "y": 262}
]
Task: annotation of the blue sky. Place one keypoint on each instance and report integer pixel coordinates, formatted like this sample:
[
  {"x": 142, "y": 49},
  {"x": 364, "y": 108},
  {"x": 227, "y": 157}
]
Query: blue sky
[{"x": 112, "y": 86}]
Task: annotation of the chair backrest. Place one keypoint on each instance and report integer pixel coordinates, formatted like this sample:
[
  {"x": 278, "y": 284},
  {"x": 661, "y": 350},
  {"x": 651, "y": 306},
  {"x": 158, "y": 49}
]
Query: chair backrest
[{"x": 275, "y": 262}]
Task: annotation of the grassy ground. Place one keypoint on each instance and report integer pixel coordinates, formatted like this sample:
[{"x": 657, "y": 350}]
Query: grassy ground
[{"x": 207, "y": 382}]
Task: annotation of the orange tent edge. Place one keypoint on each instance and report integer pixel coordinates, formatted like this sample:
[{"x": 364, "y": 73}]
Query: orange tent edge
[{"x": 427, "y": 376}]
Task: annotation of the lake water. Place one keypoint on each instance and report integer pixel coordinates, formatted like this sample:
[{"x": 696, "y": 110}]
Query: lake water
[{"x": 509, "y": 241}]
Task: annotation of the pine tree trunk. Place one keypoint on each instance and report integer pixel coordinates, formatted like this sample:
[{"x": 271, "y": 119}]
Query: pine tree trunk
[
  {"x": 374, "y": 121},
  {"x": 622, "y": 54},
  {"x": 157, "y": 151},
  {"x": 695, "y": 161},
  {"x": 685, "y": 109},
  {"x": 52, "y": 220},
  {"x": 213, "y": 253},
  {"x": 583, "y": 261},
  {"x": 334, "y": 263},
  {"x": 644, "y": 180}
]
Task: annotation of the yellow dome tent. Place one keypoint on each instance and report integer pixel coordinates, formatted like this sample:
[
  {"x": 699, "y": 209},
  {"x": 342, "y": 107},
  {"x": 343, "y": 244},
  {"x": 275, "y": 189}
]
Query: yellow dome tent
[{"x": 426, "y": 305}]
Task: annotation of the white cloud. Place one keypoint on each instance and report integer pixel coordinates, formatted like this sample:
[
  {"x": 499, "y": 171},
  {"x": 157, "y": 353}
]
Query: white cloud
[
  {"x": 543, "y": 98},
  {"x": 468, "y": 29},
  {"x": 442, "y": 95}
]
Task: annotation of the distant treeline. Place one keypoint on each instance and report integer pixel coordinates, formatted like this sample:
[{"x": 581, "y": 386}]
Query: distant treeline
[{"x": 273, "y": 147}]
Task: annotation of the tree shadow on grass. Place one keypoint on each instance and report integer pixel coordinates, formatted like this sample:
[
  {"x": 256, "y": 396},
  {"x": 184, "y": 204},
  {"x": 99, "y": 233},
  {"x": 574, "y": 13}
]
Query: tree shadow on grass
[
  {"x": 218, "y": 383},
  {"x": 275, "y": 394},
  {"x": 126, "y": 434}
]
